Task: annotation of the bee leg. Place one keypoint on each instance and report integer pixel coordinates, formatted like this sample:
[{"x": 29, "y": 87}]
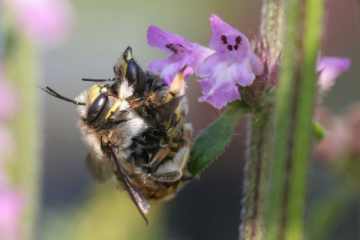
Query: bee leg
[
  {"x": 187, "y": 177},
  {"x": 168, "y": 176},
  {"x": 158, "y": 158},
  {"x": 172, "y": 170}
]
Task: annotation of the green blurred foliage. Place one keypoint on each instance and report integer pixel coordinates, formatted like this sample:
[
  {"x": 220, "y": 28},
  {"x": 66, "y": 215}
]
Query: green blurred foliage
[{"x": 107, "y": 214}]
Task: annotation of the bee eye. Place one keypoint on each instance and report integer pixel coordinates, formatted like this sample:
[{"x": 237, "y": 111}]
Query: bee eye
[{"x": 96, "y": 108}]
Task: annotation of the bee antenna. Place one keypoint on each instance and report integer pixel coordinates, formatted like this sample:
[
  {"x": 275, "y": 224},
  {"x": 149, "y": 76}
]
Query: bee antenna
[
  {"x": 55, "y": 94},
  {"x": 98, "y": 79}
]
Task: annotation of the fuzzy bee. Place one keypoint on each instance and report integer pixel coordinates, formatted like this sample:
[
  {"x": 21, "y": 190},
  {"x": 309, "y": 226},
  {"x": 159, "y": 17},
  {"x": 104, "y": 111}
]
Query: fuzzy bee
[{"x": 134, "y": 126}]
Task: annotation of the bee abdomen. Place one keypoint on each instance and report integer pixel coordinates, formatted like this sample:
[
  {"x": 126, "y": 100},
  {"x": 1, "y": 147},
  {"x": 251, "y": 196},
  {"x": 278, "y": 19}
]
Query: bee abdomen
[{"x": 145, "y": 145}]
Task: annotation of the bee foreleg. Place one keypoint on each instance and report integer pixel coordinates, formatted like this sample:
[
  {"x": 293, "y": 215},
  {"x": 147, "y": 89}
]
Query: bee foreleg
[{"x": 158, "y": 158}]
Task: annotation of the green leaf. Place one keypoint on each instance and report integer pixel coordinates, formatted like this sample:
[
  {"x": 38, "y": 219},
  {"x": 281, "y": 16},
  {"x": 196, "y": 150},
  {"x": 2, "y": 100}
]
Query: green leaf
[
  {"x": 211, "y": 143},
  {"x": 319, "y": 131}
]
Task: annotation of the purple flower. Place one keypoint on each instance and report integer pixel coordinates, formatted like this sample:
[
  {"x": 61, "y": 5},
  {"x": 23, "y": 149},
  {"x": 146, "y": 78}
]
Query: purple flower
[
  {"x": 184, "y": 56},
  {"x": 43, "y": 20},
  {"x": 232, "y": 65},
  {"x": 329, "y": 68}
]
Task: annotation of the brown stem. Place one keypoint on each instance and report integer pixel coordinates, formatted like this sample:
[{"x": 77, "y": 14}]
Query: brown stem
[
  {"x": 271, "y": 29},
  {"x": 258, "y": 129},
  {"x": 255, "y": 169}
]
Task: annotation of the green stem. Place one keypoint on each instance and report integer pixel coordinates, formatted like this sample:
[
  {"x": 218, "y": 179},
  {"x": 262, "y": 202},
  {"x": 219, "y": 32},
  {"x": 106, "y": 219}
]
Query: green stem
[
  {"x": 305, "y": 107},
  {"x": 21, "y": 69},
  {"x": 293, "y": 120},
  {"x": 283, "y": 114}
]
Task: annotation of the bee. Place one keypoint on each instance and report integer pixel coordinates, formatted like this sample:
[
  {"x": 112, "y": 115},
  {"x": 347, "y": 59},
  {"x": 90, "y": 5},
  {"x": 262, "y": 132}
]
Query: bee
[{"x": 135, "y": 129}]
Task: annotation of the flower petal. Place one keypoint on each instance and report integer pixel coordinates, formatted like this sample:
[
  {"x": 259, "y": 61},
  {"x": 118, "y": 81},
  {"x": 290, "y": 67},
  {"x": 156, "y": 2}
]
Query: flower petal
[
  {"x": 166, "y": 41},
  {"x": 232, "y": 65},
  {"x": 184, "y": 55},
  {"x": 218, "y": 98},
  {"x": 168, "y": 69},
  {"x": 329, "y": 69},
  {"x": 221, "y": 80},
  {"x": 206, "y": 69},
  {"x": 228, "y": 40},
  {"x": 243, "y": 74},
  {"x": 256, "y": 65}
]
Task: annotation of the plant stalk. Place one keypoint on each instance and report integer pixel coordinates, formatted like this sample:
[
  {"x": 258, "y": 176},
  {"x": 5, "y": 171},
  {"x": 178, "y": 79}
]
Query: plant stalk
[
  {"x": 259, "y": 127},
  {"x": 296, "y": 91},
  {"x": 255, "y": 175},
  {"x": 21, "y": 69}
]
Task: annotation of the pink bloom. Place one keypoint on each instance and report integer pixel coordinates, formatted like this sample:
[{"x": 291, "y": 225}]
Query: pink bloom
[
  {"x": 11, "y": 205},
  {"x": 184, "y": 56},
  {"x": 232, "y": 65},
  {"x": 43, "y": 20},
  {"x": 329, "y": 68}
]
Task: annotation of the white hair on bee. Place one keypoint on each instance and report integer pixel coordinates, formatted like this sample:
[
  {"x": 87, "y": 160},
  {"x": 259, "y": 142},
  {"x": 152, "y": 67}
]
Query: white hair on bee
[
  {"x": 82, "y": 109},
  {"x": 136, "y": 125},
  {"x": 91, "y": 139},
  {"x": 133, "y": 127},
  {"x": 125, "y": 90},
  {"x": 123, "y": 105}
]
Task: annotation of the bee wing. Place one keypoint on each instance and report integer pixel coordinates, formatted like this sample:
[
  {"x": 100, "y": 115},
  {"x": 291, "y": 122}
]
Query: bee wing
[{"x": 138, "y": 199}]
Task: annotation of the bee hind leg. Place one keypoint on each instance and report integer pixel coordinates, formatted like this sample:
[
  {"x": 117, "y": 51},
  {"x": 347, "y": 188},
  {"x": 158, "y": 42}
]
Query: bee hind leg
[{"x": 172, "y": 170}]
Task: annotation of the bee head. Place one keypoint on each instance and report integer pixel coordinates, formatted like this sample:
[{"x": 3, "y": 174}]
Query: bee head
[{"x": 95, "y": 104}]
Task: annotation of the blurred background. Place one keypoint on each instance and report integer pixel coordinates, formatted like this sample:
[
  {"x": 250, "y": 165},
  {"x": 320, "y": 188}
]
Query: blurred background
[{"x": 209, "y": 207}]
